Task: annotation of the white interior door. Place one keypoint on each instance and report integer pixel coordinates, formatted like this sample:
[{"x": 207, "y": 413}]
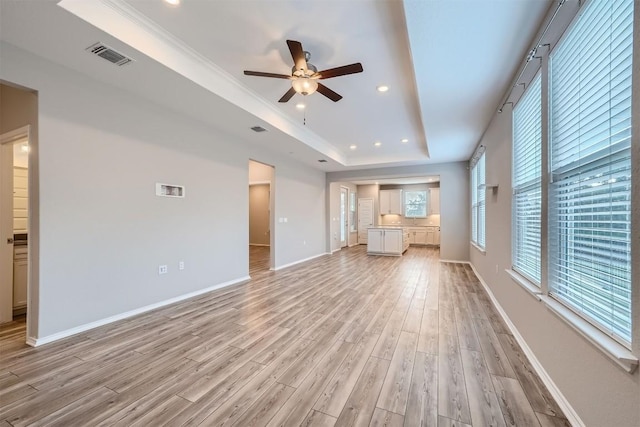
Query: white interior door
[
  {"x": 365, "y": 218},
  {"x": 7, "y": 142}
]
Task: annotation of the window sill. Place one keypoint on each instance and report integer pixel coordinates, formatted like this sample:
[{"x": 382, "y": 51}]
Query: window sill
[
  {"x": 610, "y": 347},
  {"x": 479, "y": 249},
  {"x": 531, "y": 288}
]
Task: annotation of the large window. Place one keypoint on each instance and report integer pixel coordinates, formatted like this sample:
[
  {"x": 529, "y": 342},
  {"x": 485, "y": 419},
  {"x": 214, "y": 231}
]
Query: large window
[
  {"x": 478, "y": 202},
  {"x": 590, "y": 192},
  {"x": 415, "y": 204},
  {"x": 526, "y": 202}
]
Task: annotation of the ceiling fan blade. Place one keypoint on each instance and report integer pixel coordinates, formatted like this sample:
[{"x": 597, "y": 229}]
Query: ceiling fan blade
[
  {"x": 297, "y": 53},
  {"x": 329, "y": 93},
  {"x": 287, "y": 96},
  {"x": 340, "y": 71},
  {"x": 261, "y": 74}
]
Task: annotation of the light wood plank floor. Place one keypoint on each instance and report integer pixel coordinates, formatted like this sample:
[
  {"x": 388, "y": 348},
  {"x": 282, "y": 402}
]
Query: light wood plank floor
[
  {"x": 259, "y": 258},
  {"x": 346, "y": 339}
]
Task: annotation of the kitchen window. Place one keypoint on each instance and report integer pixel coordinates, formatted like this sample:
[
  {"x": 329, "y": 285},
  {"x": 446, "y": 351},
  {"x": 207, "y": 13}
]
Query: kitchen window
[{"x": 415, "y": 204}]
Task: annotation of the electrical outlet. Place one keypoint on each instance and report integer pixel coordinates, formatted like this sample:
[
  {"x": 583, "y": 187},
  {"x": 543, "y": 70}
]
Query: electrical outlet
[
  {"x": 304, "y": 242},
  {"x": 181, "y": 265},
  {"x": 496, "y": 268},
  {"x": 163, "y": 269}
]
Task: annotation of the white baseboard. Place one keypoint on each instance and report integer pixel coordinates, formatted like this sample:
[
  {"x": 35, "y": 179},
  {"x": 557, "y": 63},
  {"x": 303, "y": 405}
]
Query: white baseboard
[
  {"x": 562, "y": 401},
  {"x": 280, "y": 267},
  {"x": 336, "y": 250},
  {"x": 455, "y": 261},
  {"x": 35, "y": 342},
  {"x": 259, "y": 244}
]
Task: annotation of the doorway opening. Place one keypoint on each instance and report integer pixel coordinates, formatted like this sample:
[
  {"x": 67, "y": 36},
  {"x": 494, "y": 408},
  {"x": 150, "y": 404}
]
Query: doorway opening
[
  {"x": 14, "y": 223},
  {"x": 261, "y": 218}
]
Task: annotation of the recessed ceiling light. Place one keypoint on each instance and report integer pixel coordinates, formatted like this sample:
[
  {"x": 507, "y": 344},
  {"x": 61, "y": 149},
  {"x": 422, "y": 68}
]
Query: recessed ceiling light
[
  {"x": 300, "y": 106},
  {"x": 382, "y": 88},
  {"x": 377, "y": 143},
  {"x": 173, "y": 2},
  {"x": 353, "y": 146},
  {"x": 404, "y": 141}
]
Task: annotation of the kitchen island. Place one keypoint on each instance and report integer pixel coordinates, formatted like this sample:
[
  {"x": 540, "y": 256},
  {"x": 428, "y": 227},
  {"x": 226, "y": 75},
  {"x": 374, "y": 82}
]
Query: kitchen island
[{"x": 386, "y": 240}]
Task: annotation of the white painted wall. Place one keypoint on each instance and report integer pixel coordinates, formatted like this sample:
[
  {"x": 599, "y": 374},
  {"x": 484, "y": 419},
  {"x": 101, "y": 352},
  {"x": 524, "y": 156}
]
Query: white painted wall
[
  {"x": 599, "y": 391},
  {"x": 259, "y": 172},
  {"x": 103, "y": 232},
  {"x": 454, "y": 200}
]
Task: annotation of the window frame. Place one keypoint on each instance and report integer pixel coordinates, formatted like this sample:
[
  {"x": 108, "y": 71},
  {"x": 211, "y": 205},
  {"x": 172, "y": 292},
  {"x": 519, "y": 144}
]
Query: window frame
[
  {"x": 478, "y": 201},
  {"x": 406, "y": 204},
  {"x": 624, "y": 353},
  {"x": 353, "y": 223},
  {"x": 561, "y": 187},
  {"x": 526, "y": 180}
]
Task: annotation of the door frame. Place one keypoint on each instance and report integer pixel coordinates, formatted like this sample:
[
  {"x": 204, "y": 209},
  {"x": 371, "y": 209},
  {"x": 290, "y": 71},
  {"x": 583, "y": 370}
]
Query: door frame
[
  {"x": 6, "y": 217},
  {"x": 272, "y": 209},
  {"x": 344, "y": 218}
]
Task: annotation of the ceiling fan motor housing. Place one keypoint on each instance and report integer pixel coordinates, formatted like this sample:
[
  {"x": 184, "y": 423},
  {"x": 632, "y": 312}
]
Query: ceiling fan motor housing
[{"x": 304, "y": 75}]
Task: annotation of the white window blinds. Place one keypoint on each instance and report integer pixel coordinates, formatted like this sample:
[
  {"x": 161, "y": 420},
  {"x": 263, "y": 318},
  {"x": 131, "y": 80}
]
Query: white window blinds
[
  {"x": 526, "y": 203},
  {"x": 478, "y": 202},
  {"x": 590, "y": 194}
]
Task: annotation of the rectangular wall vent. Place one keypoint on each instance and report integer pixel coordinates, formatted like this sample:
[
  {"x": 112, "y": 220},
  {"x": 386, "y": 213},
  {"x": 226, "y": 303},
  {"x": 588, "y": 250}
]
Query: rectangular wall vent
[
  {"x": 169, "y": 190},
  {"x": 258, "y": 129},
  {"x": 111, "y": 55}
]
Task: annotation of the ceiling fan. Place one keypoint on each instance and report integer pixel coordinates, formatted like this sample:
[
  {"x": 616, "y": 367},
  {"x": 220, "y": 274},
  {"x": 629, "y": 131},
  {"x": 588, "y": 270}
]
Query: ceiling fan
[{"x": 304, "y": 75}]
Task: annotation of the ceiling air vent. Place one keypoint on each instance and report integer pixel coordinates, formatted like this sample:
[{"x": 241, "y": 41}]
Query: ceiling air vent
[
  {"x": 258, "y": 129},
  {"x": 105, "y": 52}
]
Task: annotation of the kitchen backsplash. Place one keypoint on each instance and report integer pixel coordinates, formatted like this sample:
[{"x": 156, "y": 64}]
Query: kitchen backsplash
[{"x": 401, "y": 220}]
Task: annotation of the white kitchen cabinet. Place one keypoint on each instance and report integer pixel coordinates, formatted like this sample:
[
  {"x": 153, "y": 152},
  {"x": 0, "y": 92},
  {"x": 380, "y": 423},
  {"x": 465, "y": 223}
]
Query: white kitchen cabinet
[
  {"x": 393, "y": 241},
  {"x": 417, "y": 236},
  {"x": 434, "y": 201},
  {"x": 375, "y": 240},
  {"x": 390, "y": 202},
  {"x": 387, "y": 241},
  {"x": 432, "y": 236}
]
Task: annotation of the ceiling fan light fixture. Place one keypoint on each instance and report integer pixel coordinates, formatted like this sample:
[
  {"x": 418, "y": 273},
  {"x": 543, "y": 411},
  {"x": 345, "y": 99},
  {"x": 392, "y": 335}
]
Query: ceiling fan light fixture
[{"x": 304, "y": 85}]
